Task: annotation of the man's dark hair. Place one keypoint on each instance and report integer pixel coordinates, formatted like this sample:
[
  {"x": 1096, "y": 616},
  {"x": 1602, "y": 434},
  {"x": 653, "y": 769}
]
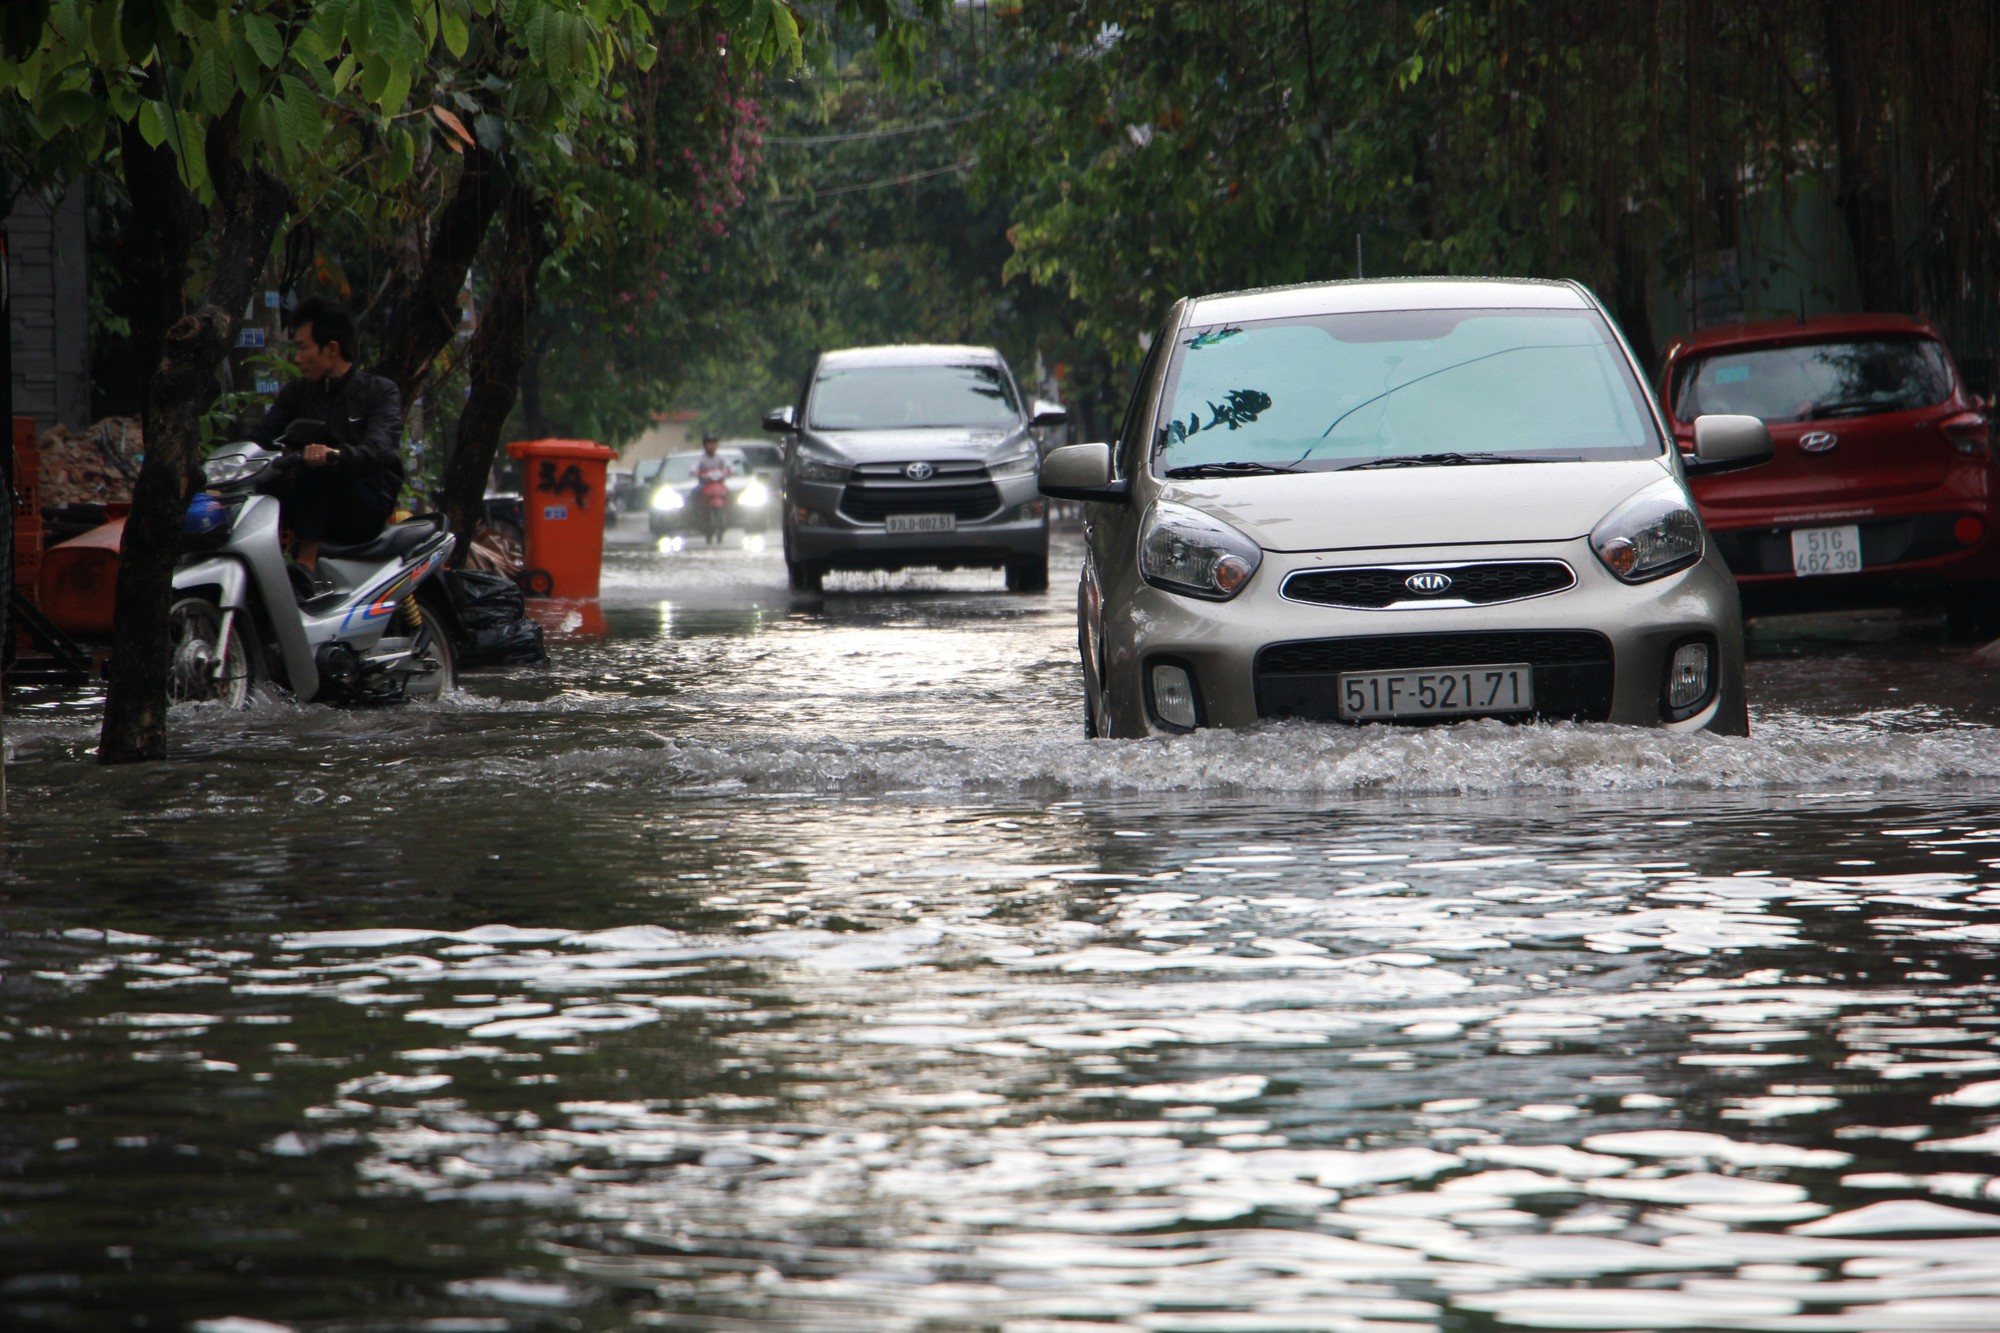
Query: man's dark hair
[{"x": 330, "y": 323}]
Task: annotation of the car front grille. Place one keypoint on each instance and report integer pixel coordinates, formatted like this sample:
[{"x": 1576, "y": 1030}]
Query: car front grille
[
  {"x": 1573, "y": 668},
  {"x": 1483, "y": 584},
  {"x": 872, "y": 499}
]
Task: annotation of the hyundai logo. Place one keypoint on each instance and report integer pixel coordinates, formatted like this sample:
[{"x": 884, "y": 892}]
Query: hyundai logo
[
  {"x": 1429, "y": 583},
  {"x": 1818, "y": 442},
  {"x": 920, "y": 472}
]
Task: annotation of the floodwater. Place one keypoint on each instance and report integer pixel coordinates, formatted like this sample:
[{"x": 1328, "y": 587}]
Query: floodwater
[{"x": 800, "y": 967}]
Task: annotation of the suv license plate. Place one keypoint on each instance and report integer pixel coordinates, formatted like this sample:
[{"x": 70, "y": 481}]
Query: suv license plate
[
  {"x": 1444, "y": 692},
  {"x": 923, "y": 522},
  {"x": 1826, "y": 550}
]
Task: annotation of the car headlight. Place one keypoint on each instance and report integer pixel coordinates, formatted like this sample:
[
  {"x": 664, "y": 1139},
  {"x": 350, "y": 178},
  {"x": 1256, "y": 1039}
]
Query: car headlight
[
  {"x": 813, "y": 467},
  {"x": 1186, "y": 551},
  {"x": 667, "y": 499},
  {"x": 1649, "y": 536},
  {"x": 754, "y": 494},
  {"x": 1024, "y": 464}
]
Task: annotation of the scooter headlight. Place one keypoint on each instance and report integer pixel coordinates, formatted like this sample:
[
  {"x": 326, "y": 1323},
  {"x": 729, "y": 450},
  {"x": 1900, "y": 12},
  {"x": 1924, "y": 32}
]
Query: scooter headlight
[
  {"x": 1649, "y": 536},
  {"x": 229, "y": 469},
  {"x": 667, "y": 499},
  {"x": 1186, "y": 551},
  {"x": 754, "y": 495}
]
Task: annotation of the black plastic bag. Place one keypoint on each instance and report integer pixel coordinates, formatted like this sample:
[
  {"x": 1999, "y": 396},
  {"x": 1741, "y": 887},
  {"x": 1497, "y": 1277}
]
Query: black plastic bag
[{"x": 493, "y": 624}]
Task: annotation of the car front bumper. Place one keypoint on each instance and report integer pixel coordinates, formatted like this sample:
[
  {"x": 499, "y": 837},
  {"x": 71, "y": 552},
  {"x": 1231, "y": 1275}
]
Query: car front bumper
[
  {"x": 818, "y": 532},
  {"x": 1223, "y": 645}
]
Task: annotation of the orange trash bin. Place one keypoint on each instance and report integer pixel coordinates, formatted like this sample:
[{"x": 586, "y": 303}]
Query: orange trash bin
[{"x": 562, "y": 489}]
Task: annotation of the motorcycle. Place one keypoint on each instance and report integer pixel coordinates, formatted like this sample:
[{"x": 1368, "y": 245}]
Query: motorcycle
[
  {"x": 378, "y": 632},
  {"x": 713, "y": 496}
]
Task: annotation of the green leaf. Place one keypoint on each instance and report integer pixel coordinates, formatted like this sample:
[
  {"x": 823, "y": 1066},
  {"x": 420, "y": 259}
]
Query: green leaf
[
  {"x": 457, "y": 36},
  {"x": 343, "y": 73},
  {"x": 264, "y": 38},
  {"x": 249, "y": 70},
  {"x": 106, "y": 48},
  {"x": 396, "y": 90},
  {"x": 402, "y": 158},
  {"x": 152, "y": 124},
  {"x": 214, "y": 81},
  {"x": 303, "y": 122}
]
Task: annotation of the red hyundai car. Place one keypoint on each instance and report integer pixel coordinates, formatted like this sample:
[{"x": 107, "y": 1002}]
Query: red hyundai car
[{"x": 1883, "y": 489}]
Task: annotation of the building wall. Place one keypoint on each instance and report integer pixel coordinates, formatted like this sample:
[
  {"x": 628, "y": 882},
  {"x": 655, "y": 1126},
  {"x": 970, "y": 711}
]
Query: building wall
[{"x": 51, "y": 309}]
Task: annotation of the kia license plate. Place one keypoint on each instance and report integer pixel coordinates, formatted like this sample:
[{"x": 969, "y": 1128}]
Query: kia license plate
[
  {"x": 1826, "y": 550},
  {"x": 1441, "y": 692},
  {"x": 923, "y": 522}
]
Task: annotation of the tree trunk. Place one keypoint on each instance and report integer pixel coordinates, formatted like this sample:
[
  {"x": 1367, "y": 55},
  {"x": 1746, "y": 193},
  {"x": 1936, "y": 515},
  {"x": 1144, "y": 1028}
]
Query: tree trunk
[
  {"x": 249, "y": 207},
  {"x": 424, "y": 317},
  {"x": 1863, "y": 187},
  {"x": 156, "y": 248},
  {"x": 499, "y": 349}
]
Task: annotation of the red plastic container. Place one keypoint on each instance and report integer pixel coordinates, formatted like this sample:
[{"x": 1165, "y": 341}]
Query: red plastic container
[
  {"x": 79, "y": 580},
  {"x": 562, "y": 487}
]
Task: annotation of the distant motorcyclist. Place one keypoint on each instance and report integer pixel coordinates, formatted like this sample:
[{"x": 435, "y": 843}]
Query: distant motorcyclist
[
  {"x": 344, "y": 486},
  {"x": 711, "y": 475}
]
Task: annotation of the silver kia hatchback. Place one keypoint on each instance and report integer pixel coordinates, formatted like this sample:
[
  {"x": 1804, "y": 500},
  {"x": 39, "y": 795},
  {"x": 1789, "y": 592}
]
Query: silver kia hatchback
[
  {"x": 1411, "y": 500},
  {"x": 913, "y": 455}
]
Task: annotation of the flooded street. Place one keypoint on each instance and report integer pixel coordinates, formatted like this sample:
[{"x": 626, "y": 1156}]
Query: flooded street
[{"x": 798, "y": 966}]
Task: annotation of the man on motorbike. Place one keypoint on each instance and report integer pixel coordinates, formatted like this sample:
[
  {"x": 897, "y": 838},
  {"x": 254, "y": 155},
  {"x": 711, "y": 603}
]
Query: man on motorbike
[
  {"x": 711, "y": 475},
  {"x": 343, "y": 487}
]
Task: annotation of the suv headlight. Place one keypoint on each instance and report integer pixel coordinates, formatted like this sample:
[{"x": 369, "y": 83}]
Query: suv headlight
[
  {"x": 819, "y": 467},
  {"x": 667, "y": 499},
  {"x": 1649, "y": 536},
  {"x": 1024, "y": 464},
  {"x": 1186, "y": 551}
]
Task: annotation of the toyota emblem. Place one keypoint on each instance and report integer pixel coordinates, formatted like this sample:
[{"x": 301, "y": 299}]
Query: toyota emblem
[
  {"x": 1429, "y": 583},
  {"x": 919, "y": 471},
  {"x": 1818, "y": 442}
]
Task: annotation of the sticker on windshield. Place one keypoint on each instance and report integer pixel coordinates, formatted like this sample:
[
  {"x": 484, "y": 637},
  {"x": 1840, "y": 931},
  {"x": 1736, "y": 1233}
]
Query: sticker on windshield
[{"x": 1732, "y": 374}]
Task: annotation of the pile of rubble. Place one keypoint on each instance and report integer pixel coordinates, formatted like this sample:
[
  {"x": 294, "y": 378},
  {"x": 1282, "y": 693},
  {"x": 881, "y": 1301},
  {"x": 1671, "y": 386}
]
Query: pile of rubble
[{"x": 95, "y": 466}]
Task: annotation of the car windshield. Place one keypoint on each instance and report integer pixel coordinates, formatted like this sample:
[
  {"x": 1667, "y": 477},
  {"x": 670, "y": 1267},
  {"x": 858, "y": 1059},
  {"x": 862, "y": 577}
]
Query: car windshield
[
  {"x": 680, "y": 467},
  {"x": 902, "y": 397},
  {"x": 1816, "y": 381},
  {"x": 1332, "y": 391}
]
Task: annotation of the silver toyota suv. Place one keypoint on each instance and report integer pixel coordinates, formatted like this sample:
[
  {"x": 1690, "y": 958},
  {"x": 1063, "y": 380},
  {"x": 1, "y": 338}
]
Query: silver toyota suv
[{"x": 922, "y": 455}]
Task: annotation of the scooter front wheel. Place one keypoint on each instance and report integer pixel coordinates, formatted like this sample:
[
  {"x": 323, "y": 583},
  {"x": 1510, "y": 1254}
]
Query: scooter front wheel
[{"x": 201, "y": 667}]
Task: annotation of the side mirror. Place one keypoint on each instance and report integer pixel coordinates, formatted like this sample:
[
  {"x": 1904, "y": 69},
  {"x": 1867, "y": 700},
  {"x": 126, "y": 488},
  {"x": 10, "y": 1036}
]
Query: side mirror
[
  {"x": 1724, "y": 442},
  {"x": 1082, "y": 472},
  {"x": 1048, "y": 414},
  {"x": 781, "y": 420}
]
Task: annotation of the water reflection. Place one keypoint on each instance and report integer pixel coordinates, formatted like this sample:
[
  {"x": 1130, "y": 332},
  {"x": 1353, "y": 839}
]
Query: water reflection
[{"x": 796, "y": 968}]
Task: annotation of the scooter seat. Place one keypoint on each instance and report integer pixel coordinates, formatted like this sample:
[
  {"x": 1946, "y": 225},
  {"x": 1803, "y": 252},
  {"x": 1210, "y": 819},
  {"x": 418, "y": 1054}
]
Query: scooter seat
[{"x": 396, "y": 541}]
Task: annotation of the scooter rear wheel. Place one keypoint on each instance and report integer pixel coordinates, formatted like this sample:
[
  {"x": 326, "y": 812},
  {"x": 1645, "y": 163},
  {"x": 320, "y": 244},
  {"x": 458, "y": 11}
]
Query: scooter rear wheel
[
  {"x": 195, "y": 672},
  {"x": 433, "y": 639}
]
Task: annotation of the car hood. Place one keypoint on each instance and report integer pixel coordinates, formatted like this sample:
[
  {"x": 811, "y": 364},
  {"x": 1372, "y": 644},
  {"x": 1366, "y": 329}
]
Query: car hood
[
  {"x": 933, "y": 444},
  {"x": 1420, "y": 506}
]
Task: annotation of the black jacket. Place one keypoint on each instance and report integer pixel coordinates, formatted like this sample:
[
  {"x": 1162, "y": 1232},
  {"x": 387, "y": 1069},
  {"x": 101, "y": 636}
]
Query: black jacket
[{"x": 363, "y": 412}]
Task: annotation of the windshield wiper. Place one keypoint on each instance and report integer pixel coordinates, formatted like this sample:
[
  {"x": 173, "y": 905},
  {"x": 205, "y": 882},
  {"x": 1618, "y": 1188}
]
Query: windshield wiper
[
  {"x": 1441, "y": 460},
  {"x": 1235, "y": 469},
  {"x": 1851, "y": 407}
]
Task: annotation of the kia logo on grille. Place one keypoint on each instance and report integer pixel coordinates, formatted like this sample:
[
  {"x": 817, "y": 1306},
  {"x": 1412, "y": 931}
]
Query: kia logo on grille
[
  {"x": 920, "y": 472},
  {"x": 1429, "y": 583},
  {"x": 1818, "y": 442}
]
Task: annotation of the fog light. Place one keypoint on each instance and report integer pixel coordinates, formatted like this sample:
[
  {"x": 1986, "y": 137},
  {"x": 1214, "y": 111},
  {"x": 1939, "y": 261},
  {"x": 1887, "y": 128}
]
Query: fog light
[
  {"x": 1173, "y": 696},
  {"x": 1968, "y": 530},
  {"x": 1032, "y": 509},
  {"x": 809, "y": 518},
  {"x": 1687, "y": 677}
]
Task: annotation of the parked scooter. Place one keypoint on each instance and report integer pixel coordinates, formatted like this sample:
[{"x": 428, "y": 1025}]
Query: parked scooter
[{"x": 241, "y": 615}]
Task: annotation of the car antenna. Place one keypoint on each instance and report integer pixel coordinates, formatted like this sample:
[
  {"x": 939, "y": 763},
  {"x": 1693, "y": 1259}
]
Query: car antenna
[{"x": 1359, "y": 272}]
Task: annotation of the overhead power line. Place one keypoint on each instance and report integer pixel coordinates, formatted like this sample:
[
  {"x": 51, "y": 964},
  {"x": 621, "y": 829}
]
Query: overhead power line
[
  {"x": 906, "y": 179},
  {"x": 805, "y": 140}
]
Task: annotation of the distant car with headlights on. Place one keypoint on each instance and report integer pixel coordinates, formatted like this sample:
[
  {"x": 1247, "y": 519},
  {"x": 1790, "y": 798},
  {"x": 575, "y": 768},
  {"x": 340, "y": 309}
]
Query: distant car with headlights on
[
  {"x": 1413, "y": 500},
  {"x": 1884, "y": 490},
  {"x": 918, "y": 455},
  {"x": 672, "y": 507}
]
